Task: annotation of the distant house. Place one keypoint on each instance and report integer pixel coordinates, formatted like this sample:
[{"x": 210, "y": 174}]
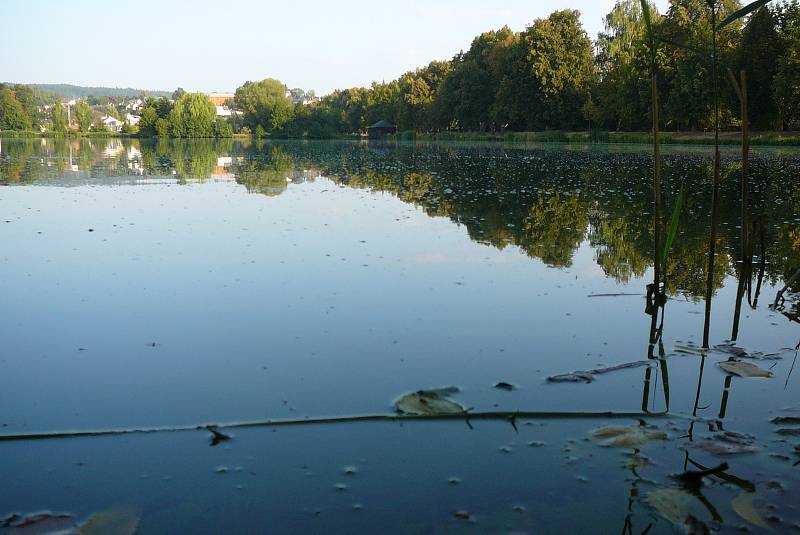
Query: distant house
[
  {"x": 112, "y": 123},
  {"x": 134, "y": 105},
  {"x": 219, "y": 99},
  {"x": 223, "y": 111},
  {"x": 131, "y": 119},
  {"x": 381, "y": 129}
]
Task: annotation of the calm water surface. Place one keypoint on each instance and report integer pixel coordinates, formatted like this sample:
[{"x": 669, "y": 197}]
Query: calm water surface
[{"x": 175, "y": 284}]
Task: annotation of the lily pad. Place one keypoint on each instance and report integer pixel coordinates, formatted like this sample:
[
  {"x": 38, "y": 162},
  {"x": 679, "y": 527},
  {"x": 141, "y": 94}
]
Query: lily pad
[
  {"x": 744, "y": 506},
  {"x": 743, "y": 369},
  {"x": 789, "y": 431},
  {"x": 626, "y": 437},
  {"x": 428, "y": 402}
]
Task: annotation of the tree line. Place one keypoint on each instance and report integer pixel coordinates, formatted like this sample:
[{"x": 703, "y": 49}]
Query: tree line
[
  {"x": 23, "y": 108},
  {"x": 189, "y": 115},
  {"x": 552, "y": 76}
]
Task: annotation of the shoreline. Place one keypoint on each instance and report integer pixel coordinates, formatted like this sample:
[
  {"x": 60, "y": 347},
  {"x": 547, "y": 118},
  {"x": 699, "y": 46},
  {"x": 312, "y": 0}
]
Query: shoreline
[{"x": 727, "y": 139}]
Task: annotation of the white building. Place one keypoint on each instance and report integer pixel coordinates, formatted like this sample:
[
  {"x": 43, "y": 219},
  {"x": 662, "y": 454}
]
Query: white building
[
  {"x": 113, "y": 124},
  {"x": 223, "y": 111},
  {"x": 134, "y": 105},
  {"x": 132, "y": 120}
]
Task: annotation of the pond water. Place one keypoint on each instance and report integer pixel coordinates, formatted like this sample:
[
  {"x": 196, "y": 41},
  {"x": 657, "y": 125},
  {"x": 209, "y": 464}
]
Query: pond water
[{"x": 175, "y": 284}]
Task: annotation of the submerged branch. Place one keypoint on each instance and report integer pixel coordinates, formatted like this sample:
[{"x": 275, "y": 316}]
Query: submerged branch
[{"x": 466, "y": 416}]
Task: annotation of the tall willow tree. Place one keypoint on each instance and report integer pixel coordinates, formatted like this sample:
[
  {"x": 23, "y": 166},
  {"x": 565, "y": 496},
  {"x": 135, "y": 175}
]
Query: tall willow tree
[
  {"x": 192, "y": 116},
  {"x": 621, "y": 59},
  {"x": 562, "y": 67}
]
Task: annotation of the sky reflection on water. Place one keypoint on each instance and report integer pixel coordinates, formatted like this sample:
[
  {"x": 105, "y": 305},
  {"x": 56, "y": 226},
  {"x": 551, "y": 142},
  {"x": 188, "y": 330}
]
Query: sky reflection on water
[{"x": 182, "y": 283}]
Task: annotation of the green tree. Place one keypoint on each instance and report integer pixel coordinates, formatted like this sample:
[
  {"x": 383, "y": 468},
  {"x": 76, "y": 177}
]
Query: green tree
[
  {"x": 382, "y": 102},
  {"x": 162, "y": 127},
  {"x": 623, "y": 70},
  {"x": 787, "y": 77},
  {"x": 12, "y": 112},
  {"x": 32, "y": 100},
  {"x": 264, "y": 104},
  {"x": 83, "y": 116},
  {"x": 222, "y": 128},
  {"x": 758, "y": 54},
  {"x": 562, "y": 65},
  {"x": 688, "y": 104},
  {"x": 147, "y": 121},
  {"x": 58, "y": 116},
  {"x": 192, "y": 116}
]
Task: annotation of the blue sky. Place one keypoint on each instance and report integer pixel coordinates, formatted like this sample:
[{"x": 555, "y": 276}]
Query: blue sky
[{"x": 216, "y": 46}]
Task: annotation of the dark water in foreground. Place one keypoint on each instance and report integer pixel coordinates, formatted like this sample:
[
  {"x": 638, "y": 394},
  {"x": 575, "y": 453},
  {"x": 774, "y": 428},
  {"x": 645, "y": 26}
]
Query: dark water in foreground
[{"x": 185, "y": 283}]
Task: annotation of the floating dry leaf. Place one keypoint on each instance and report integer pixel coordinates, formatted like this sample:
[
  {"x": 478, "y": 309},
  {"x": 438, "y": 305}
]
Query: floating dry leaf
[
  {"x": 691, "y": 350},
  {"x": 744, "y": 506},
  {"x": 744, "y": 369},
  {"x": 732, "y": 350},
  {"x": 587, "y": 376},
  {"x": 42, "y": 523},
  {"x": 791, "y": 420},
  {"x": 728, "y": 443},
  {"x": 427, "y": 402},
  {"x": 626, "y": 437},
  {"x": 673, "y": 504},
  {"x": 116, "y": 521},
  {"x": 574, "y": 377}
]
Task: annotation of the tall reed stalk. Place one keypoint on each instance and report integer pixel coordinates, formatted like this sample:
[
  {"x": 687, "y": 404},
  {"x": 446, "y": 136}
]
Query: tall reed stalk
[
  {"x": 712, "y": 239},
  {"x": 657, "y": 223},
  {"x": 747, "y": 252}
]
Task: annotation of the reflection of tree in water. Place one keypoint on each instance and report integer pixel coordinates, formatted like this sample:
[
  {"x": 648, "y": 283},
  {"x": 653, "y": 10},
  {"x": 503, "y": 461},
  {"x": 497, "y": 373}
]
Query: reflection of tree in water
[
  {"x": 686, "y": 268},
  {"x": 18, "y": 164},
  {"x": 86, "y": 155},
  {"x": 555, "y": 228},
  {"x": 542, "y": 201},
  {"x": 618, "y": 246},
  {"x": 194, "y": 158},
  {"x": 266, "y": 175}
]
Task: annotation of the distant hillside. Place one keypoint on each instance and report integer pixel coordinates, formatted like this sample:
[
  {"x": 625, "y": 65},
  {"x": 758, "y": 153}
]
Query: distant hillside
[{"x": 77, "y": 91}]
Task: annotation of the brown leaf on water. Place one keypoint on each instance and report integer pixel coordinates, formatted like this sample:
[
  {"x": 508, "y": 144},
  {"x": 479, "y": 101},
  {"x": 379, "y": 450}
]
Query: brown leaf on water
[
  {"x": 115, "y": 521},
  {"x": 574, "y": 377},
  {"x": 626, "y": 437},
  {"x": 428, "y": 402},
  {"x": 43, "y": 523},
  {"x": 744, "y": 506},
  {"x": 677, "y": 506},
  {"x": 743, "y": 369},
  {"x": 791, "y": 420},
  {"x": 587, "y": 376},
  {"x": 728, "y": 443}
]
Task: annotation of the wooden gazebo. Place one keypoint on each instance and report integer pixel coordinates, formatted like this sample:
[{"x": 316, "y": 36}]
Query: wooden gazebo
[{"x": 381, "y": 129}]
